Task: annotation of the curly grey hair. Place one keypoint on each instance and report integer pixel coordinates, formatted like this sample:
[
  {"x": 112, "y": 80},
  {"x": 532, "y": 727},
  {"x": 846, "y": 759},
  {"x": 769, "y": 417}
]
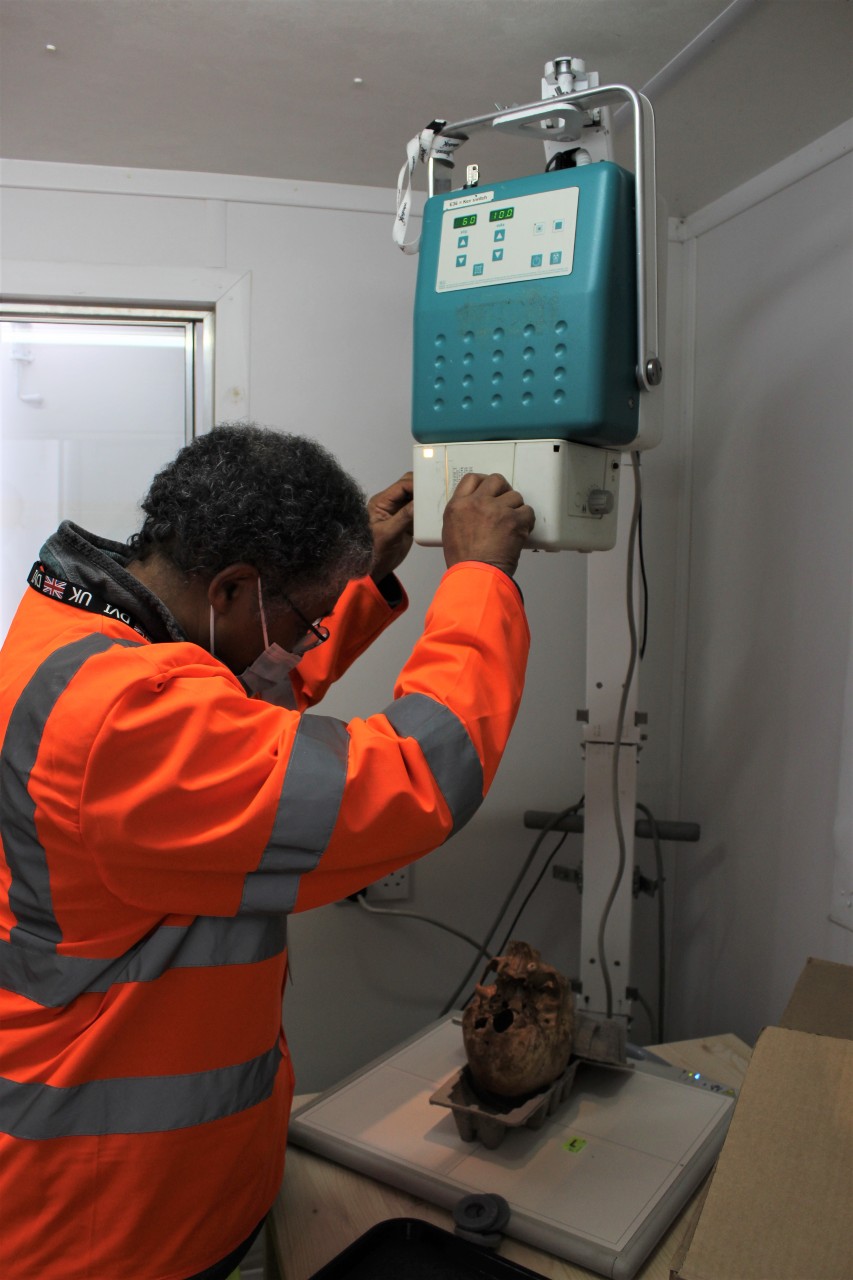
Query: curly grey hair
[{"x": 246, "y": 493}]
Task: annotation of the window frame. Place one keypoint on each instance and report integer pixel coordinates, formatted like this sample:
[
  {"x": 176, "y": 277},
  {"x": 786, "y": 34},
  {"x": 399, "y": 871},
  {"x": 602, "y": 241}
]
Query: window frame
[{"x": 199, "y": 325}]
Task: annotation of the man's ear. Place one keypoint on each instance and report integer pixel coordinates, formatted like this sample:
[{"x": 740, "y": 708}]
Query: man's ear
[{"x": 235, "y": 586}]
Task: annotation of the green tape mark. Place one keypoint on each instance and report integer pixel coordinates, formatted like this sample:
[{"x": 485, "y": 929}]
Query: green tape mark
[{"x": 574, "y": 1145}]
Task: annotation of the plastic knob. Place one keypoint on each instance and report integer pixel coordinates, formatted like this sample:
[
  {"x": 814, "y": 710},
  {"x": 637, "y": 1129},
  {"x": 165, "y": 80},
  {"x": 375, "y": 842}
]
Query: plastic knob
[
  {"x": 600, "y": 502},
  {"x": 481, "y": 1219}
]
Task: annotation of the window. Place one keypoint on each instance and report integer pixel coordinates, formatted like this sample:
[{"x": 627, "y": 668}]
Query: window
[{"x": 93, "y": 401}]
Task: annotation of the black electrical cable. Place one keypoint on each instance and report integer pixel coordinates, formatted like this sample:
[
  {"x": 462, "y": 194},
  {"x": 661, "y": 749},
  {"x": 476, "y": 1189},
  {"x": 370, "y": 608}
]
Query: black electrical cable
[
  {"x": 644, "y": 1005},
  {"x": 562, "y": 160},
  {"x": 416, "y": 915},
  {"x": 661, "y": 922},
  {"x": 576, "y": 808},
  {"x": 620, "y": 725},
  {"x": 558, "y": 817},
  {"x": 536, "y": 883},
  {"x": 645, "y": 582}
]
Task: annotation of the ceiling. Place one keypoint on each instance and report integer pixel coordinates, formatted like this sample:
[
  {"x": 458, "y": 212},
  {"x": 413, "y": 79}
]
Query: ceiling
[{"x": 331, "y": 90}]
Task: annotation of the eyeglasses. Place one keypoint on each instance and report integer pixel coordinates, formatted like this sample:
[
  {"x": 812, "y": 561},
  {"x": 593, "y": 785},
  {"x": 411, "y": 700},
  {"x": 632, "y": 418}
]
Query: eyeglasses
[{"x": 315, "y": 633}]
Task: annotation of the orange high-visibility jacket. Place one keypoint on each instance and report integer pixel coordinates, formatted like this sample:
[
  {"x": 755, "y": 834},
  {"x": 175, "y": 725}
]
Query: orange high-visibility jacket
[{"x": 157, "y": 827}]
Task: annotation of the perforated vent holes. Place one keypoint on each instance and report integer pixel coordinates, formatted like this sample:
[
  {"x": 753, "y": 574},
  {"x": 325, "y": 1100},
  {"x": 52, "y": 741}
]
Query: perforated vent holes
[{"x": 516, "y": 368}]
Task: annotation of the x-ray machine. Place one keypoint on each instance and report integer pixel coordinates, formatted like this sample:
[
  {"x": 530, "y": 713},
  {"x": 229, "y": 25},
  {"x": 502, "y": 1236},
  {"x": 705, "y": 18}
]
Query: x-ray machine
[{"x": 537, "y": 355}]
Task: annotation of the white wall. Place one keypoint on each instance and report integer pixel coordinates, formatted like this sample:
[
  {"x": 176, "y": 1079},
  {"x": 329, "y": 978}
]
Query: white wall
[
  {"x": 769, "y": 308},
  {"x": 329, "y": 355}
]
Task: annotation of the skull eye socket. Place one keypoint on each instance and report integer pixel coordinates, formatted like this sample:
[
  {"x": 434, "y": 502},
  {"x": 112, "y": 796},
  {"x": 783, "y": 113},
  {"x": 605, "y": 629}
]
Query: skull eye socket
[{"x": 503, "y": 1021}]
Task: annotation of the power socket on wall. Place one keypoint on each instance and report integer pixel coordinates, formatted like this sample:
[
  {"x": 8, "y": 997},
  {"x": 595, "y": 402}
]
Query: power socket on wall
[{"x": 394, "y": 888}]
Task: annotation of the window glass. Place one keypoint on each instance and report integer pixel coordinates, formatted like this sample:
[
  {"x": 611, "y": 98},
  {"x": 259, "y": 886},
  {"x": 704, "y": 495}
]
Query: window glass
[{"x": 90, "y": 409}]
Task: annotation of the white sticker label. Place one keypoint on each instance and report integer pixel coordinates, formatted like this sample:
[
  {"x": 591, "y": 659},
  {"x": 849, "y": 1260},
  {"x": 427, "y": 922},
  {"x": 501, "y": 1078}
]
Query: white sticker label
[{"x": 473, "y": 197}]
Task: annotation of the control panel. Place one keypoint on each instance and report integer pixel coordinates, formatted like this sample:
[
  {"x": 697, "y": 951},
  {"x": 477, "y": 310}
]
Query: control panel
[{"x": 487, "y": 242}]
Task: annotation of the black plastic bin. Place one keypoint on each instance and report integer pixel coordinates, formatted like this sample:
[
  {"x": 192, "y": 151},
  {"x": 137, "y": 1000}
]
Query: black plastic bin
[{"x": 411, "y": 1249}]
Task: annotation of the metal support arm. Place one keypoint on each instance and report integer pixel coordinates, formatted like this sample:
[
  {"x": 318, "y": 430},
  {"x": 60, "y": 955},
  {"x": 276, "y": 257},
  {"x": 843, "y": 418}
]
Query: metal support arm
[
  {"x": 518, "y": 119},
  {"x": 682, "y": 832}
]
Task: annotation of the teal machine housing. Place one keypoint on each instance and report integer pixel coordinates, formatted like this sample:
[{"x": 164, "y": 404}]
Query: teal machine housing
[{"x": 525, "y": 318}]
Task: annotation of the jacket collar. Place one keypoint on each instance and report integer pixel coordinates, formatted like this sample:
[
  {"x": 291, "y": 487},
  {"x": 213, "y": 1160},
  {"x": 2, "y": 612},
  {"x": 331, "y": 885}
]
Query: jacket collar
[{"x": 99, "y": 564}]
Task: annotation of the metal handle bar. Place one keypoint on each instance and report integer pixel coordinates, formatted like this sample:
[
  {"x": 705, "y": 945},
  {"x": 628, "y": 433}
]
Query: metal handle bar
[
  {"x": 649, "y": 369},
  {"x": 665, "y": 829}
]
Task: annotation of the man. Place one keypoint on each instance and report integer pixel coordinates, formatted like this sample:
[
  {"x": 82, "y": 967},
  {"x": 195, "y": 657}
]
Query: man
[{"x": 158, "y": 825}]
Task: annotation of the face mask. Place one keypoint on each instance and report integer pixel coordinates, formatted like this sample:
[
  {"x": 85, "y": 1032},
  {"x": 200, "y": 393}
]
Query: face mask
[{"x": 268, "y": 677}]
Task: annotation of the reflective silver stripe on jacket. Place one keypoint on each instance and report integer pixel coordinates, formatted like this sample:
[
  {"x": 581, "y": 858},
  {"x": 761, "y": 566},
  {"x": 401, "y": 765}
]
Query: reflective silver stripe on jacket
[
  {"x": 449, "y": 751},
  {"x": 29, "y": 962},
  {"x": 29, "y": 892},
  {"x": 308, "y": 809},
  {"x": 140, "y": 1104},
  {"x": 32, "y": 966},
  {"x": 50, "y": 979},
  {"x": 314, "y": 783}
]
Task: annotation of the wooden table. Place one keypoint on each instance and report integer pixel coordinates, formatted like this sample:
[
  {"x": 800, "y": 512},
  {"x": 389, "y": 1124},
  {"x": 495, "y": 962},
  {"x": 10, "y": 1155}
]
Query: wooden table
[{"x": 322, "y": 1207}]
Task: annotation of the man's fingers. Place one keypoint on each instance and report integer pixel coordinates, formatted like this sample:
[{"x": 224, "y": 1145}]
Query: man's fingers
[
  {"x": 512, "y": 498},
  {"x": 491, "y": 486},
  {"x": 402, "y": 519},
  {"x": 390, "y": 500},
  {"x": 469, "y": 484},
  {"x": 529, "y": 516}
]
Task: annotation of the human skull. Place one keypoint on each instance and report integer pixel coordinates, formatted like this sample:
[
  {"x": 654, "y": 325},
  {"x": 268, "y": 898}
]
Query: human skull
[{"x": 518, "y": 1032}]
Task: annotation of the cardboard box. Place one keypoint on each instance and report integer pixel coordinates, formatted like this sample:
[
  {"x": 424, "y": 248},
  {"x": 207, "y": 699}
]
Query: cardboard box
[{"x": 779, "y": 1205}]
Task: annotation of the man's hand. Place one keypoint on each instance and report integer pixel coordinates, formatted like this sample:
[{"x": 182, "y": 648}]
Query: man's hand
[
  {"x": 486, "y": 520},
  {"x": 392, "y": 520}
]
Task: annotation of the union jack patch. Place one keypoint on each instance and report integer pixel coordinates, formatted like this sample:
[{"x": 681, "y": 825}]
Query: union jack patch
[{"x": 53, "y": 587}]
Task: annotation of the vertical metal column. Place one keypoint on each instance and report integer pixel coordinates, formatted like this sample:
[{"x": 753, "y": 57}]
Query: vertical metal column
[{"x": 607, "y": 664}]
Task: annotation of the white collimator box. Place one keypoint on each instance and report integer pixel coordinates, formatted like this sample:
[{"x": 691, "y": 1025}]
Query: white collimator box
[{"x": 573, "y": 488}]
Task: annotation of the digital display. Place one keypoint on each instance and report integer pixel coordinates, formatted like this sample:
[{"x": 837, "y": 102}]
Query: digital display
[
  {"x": 467, "y": 220},
  {"x": 501, "y": 215}
]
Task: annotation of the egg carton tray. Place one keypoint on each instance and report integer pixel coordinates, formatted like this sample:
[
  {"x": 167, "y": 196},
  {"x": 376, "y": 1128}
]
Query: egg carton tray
[
  {"x": 479, "y": 1120},
  {"x": 488, "y": 1119}
]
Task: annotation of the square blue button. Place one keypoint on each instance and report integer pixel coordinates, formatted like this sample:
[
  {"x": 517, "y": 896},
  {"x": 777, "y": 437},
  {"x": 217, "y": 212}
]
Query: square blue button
[
  {"x": 500, "y": 234},
  {"x": 461, "y": 259},
  {"x": 478, "y": 268},
  {"x": 497, "y": 255},
  {"x": 558, "y": 224},
  {"x": 556, "y": 259},
  {"x": 536, "y": 260},
  {"x": 462, "y": 242}
]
